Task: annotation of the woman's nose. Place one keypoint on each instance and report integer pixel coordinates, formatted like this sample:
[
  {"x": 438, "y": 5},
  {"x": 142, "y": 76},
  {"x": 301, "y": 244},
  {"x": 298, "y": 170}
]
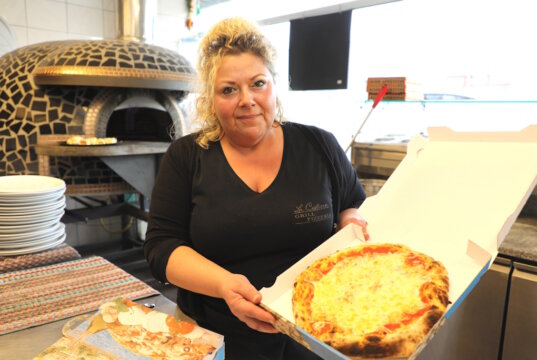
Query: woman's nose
[{"x": 246, "y": 98}]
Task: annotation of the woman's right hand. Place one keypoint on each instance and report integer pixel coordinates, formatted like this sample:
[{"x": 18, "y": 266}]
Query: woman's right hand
[{"x": 243, "y": 299}]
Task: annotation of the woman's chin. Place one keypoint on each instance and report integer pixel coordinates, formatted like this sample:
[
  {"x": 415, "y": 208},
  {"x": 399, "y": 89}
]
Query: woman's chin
[{"x": 247, "y": 137}]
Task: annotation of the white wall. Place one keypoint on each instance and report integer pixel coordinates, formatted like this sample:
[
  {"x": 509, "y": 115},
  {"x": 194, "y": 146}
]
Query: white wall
[{"x": 35, "y": 21}]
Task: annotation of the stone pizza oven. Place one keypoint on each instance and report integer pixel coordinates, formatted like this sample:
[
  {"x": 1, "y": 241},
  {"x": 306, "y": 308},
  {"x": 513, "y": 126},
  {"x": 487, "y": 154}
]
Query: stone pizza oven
[{"x": 123, "y": 87}]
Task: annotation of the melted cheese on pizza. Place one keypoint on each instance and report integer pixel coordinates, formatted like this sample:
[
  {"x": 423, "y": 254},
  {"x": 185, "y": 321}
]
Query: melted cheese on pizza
[{"x": 376, "y": 290}]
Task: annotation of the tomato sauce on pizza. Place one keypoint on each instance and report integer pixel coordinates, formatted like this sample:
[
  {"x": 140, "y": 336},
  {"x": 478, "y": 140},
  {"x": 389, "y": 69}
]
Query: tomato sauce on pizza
[{"x": 371, "y": 301}]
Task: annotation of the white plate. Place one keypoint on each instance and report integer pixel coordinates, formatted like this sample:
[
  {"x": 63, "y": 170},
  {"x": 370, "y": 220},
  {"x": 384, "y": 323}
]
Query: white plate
[
  {"x": 32, "y": 209},
  {"x": 40, "y": 216},
  {"x": 22, "y": 236},
  {"x": 22, "y": 220},
  {"x": 34, "y": 201},
  {"x": 15, "y": 185},
  {"x": 30, "y": 198},
  {"x": 6, "y": 245},
  {"x": 37, "y": 240},
  {"x": 25, "y": 228},
  {"x": 33, "y": 249}
]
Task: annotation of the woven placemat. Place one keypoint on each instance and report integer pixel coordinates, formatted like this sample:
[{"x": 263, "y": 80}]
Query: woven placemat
[
  {"x": 45, "y": 294},
  {"x": 58, "y": 254}
]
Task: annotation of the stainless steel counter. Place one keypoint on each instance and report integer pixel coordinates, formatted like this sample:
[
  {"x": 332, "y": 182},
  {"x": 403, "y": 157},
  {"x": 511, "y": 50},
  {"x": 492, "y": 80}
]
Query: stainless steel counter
[
  {"x": 28, "y": 343},
  {"x": 520, "y": 340}
]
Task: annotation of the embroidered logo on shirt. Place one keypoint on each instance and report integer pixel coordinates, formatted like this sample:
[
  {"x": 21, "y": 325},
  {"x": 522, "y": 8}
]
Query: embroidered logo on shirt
[{"x": 311, "y": 213}]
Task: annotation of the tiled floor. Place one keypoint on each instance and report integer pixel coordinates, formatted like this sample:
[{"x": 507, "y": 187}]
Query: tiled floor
[{"x": 132, "y": 261}]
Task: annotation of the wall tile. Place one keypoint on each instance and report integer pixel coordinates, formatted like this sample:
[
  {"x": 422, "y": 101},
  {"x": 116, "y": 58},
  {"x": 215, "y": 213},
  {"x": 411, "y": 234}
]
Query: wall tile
[
  {"x": 96, "y": 4},
  {"x": 21, "y": 32},
  {"x": 84, "y": 21},
  {"x": 13, "y": 11},
  {"x": 46, "y": 15},
  {"x": 110, "y": 30},
  {"x": 171, "y": 7},
  {"x": 81, "y": 37},
  {"x": 110, "y": 5},
  {"x": 37, "y": 36},
  {"x": 169, "y": 29}
]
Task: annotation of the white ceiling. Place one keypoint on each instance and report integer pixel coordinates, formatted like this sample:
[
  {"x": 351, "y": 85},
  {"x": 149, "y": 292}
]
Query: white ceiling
[{"x": 276, "y": 11}]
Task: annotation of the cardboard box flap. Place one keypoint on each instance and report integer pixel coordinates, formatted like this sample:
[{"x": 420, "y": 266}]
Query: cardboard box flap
[{"x": 455, "y": 187}]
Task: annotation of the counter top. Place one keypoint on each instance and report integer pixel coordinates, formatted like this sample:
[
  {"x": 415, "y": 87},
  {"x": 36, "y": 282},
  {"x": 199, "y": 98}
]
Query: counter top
[{"x": 521, "y": 241}]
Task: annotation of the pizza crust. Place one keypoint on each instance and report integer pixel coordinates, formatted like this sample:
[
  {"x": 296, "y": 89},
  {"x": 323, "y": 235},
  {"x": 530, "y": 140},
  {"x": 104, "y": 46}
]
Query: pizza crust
[{"x": 373, "y": 301}]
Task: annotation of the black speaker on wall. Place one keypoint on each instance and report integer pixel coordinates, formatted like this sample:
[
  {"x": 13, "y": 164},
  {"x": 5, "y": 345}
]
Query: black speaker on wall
[{"x": 319, "y": 52}]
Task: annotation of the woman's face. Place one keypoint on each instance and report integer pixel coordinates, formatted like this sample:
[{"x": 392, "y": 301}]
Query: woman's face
[{"x": 244, "y": 99}]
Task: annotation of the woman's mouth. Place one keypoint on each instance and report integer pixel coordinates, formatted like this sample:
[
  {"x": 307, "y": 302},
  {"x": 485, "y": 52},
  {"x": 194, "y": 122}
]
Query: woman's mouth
[{"x": 247, "y": 117}]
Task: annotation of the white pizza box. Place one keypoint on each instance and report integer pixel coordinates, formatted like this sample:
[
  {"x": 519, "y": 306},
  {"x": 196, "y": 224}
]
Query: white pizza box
[{"x": 454, "y": 197}]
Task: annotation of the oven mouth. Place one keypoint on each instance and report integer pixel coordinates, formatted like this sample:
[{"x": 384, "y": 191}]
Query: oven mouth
[
  {"x": 135, "y": 114},
  {"x": 140, "y": 118}
]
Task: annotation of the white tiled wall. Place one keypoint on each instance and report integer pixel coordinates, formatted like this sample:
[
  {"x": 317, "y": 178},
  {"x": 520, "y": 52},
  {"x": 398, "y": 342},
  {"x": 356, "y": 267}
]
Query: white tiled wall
[{"x": 35, "y": 21}]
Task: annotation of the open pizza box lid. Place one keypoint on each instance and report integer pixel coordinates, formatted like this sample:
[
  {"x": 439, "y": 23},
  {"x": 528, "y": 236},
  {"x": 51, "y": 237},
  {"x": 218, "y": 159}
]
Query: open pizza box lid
[{"x": 454, "y": 197}]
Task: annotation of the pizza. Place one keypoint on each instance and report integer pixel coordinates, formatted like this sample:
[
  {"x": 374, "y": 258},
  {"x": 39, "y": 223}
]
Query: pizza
[
  {"x": 152, "y": 333},
  {"x": 80, "y": 140},
  {"x": 371, "y": 301}
]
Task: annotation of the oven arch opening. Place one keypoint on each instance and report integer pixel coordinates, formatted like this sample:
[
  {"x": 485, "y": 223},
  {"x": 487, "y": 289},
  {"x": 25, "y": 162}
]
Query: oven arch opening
[
  {"x": 141, "y": 118},
  {"x": 142, "y": 115}
]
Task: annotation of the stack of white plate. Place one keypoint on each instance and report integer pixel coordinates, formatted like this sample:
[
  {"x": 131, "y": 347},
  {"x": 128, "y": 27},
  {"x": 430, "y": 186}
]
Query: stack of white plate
[{"x": 31, "y": 207}]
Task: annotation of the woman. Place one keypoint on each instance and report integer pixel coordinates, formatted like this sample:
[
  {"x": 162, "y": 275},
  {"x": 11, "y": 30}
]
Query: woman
[{"x": 237, "y": 203}]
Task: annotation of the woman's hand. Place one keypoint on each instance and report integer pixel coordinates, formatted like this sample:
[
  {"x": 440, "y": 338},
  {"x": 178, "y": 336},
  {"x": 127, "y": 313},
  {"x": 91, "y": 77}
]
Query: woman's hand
[
  {"x": 351, "y": 216},
  {"x": 242, "y": 299},
  {"x": 188, "y": 269}
]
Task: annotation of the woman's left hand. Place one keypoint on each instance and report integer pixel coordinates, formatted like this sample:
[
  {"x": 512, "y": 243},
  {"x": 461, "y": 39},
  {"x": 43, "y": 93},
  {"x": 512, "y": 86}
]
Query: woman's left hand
[{"x": 351, "y": 215}]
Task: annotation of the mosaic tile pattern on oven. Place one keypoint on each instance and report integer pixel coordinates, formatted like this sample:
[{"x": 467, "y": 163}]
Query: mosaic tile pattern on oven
[
  {"x": 28, "y": 111},
  {"x": 117, "y": 54}
]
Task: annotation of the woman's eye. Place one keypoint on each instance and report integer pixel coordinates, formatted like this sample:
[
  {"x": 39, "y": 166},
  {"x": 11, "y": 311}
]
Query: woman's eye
[
  {"x": 260, "y": 83},
  {"x": 227, "y": 90}
]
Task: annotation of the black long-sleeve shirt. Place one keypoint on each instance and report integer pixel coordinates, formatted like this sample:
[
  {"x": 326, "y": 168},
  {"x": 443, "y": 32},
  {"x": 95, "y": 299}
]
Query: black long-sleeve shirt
[{"x": 199, "y": 201}]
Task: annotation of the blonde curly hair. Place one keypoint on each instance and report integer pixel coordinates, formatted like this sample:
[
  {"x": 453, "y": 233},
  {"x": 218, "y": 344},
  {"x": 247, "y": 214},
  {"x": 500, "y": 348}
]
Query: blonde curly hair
[{"x": 228, "y": 37}]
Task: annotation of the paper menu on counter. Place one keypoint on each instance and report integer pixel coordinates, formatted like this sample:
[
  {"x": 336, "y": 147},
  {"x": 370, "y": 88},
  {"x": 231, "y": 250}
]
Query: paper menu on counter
[{"x": 126, "y": 330}]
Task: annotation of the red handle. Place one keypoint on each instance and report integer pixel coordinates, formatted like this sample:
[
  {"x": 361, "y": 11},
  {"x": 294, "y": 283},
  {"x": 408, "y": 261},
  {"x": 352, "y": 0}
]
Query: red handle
[{"x": 380, "y": 95}]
